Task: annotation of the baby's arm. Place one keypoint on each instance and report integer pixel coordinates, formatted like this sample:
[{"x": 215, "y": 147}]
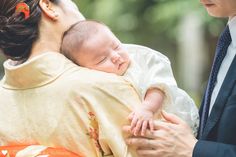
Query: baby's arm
[
  {"x": 154, "y": 71},
  {"x": 142, "y": 117}
]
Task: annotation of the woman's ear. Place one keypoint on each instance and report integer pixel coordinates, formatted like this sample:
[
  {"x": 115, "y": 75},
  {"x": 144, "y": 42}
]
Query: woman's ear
[{"x": 48, "y": 9}]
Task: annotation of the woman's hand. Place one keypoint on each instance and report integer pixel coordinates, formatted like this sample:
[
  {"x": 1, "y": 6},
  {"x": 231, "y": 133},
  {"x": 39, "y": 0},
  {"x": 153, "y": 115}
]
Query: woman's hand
[{"x": 171, "y": 138}]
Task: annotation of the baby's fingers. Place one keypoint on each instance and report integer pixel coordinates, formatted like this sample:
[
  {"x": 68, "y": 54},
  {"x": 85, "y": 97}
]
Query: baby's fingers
[
  {"x": 138, "y": 127},
  {"x": 151, "y": 125},
  {"x": 133, "y": 123},
  {"x": 144, "y": 127},
  {"x": 131, "y": 116}
]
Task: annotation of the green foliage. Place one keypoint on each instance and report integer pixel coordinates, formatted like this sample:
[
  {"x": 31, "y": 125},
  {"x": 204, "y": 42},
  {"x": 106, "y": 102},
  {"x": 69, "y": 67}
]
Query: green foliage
[{"x": 139, "y": 20}]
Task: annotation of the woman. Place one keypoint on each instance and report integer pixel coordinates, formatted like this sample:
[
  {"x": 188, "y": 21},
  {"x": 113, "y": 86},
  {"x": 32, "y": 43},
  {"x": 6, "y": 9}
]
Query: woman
[{"x": 44, "y": 98}]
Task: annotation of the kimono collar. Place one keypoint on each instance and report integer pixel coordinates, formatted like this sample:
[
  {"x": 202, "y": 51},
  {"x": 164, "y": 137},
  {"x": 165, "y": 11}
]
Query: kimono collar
[{"x": 35, "y": 72}]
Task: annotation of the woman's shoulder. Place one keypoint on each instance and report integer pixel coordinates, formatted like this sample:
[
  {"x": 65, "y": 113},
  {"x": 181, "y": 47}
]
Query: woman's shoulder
[{"x": 80, "y": 76}]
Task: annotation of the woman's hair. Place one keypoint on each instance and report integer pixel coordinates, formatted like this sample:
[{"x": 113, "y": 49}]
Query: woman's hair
[{"x": 17, "y": 33}]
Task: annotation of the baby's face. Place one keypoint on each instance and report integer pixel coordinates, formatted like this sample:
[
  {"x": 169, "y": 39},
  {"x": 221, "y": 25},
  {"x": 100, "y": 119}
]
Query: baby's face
[{"x": 104, "y": 52}]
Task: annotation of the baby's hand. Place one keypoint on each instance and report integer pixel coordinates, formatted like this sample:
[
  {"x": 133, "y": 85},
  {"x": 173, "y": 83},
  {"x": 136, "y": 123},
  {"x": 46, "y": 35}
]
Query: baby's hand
[{"x": 141, "y": 119}]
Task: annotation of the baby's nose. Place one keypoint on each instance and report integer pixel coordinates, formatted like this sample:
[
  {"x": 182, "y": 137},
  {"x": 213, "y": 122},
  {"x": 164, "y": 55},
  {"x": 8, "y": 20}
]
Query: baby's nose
[{"x": 116, "y": 58}]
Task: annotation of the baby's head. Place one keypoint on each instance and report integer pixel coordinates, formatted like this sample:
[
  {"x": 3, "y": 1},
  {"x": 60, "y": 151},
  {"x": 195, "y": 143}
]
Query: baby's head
[{"x": 92, "y": 44}]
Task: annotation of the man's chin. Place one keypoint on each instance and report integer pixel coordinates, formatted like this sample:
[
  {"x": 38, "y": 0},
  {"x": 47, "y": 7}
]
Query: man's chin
[{"x": 217, "y": 14}]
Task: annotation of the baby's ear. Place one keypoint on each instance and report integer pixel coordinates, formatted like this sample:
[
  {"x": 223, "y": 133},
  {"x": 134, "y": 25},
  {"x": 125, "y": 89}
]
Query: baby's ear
[{"x": 48, "y": 9}]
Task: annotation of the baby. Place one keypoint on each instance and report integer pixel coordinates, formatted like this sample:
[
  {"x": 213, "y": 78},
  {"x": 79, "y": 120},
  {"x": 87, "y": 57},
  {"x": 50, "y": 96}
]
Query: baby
[{"x": 91, "y": 44}]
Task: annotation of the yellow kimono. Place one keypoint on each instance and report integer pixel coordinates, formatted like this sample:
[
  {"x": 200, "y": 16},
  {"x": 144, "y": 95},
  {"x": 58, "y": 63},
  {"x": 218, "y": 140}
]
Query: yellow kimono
[{"x": 50, "y": 101}]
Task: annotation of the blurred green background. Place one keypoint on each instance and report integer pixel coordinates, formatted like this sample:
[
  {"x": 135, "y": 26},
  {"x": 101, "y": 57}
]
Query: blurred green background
[{"x": 180, "y": 29}]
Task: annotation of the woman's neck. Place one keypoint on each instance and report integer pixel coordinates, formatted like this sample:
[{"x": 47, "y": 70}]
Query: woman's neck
[
  {"x": 45, "y": 45},
  {"x": 49, "y": 38}
]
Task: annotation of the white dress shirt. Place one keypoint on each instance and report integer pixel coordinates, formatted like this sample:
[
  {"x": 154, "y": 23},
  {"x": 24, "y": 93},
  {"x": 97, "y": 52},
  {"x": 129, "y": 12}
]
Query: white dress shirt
[{"x": 226, "y": 62}]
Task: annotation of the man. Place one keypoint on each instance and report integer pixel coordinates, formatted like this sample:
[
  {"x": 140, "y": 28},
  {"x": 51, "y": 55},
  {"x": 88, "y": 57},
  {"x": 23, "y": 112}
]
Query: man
[{"x": 216, "y": 136}]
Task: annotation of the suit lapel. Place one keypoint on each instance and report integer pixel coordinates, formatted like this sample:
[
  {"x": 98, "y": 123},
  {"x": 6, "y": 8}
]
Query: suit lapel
[{"x": 221, "y": 99}]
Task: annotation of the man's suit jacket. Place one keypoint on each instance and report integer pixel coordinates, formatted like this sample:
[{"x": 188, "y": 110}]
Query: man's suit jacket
[{"x": 219, "y": 135}]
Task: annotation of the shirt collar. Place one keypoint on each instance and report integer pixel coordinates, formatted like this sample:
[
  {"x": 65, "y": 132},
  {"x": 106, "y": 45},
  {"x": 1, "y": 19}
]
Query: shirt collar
[{"x": 232, "y": 28}]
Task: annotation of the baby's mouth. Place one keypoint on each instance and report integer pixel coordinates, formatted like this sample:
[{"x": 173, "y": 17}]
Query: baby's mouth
[{"x": 119, "y": 66}]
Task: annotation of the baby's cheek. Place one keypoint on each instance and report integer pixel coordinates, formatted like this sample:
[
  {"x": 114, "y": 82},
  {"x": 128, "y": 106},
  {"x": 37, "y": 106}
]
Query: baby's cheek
[{"x": 107, "y": 67}]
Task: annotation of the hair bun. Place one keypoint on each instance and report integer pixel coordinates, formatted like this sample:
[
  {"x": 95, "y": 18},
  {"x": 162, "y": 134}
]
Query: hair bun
[
  {"x": 17, "y": 34},
  {"x": 3, "y": 22}
]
